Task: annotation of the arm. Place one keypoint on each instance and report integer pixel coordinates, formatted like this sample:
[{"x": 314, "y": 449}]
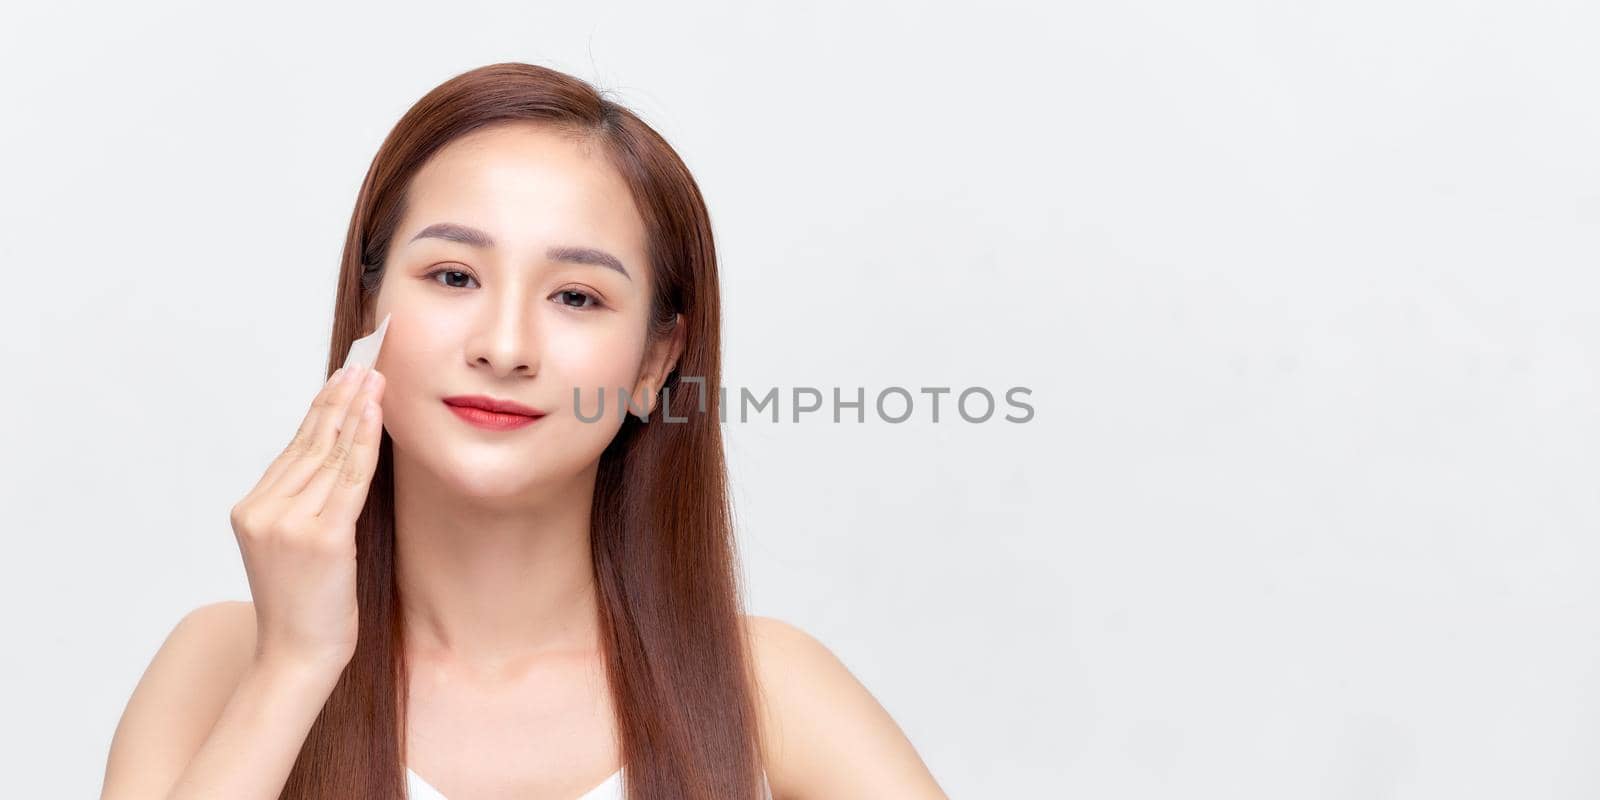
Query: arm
[
  {"x": 209, "y": 720},
  {"x": 830, "y": 737}
]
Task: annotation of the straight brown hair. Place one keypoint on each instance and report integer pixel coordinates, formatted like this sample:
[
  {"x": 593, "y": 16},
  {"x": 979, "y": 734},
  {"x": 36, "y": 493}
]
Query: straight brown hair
[{"x": 673, "y": 635}]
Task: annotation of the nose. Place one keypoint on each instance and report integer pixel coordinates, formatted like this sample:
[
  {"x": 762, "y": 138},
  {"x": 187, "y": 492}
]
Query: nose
[{"x": 502, "y": 340}]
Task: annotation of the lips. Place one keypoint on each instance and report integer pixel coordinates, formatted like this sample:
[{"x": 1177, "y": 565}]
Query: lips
[
  {"x": 491, "y": 413},
  {"x": 492, "y": 404}
]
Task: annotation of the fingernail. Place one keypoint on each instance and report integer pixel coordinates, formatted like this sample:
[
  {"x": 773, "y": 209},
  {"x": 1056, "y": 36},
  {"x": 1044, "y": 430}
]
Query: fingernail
[
  {"x": 372, "y": 380},
  {"x": 338, "y": 375}
]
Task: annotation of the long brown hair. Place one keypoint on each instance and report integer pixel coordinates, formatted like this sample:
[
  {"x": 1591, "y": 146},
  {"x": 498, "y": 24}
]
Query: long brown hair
[{"x": 665, "y": 563}]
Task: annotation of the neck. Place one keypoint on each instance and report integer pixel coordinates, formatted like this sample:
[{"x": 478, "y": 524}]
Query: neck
[{"x": 491, "y": 584}]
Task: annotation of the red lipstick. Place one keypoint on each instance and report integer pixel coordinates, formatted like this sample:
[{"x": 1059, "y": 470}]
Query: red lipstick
[{"x": 492, "y": 413}]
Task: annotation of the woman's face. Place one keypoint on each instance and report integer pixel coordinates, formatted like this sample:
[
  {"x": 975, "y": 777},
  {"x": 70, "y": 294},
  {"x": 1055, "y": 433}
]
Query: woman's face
[{"x": 540, "y": 287}]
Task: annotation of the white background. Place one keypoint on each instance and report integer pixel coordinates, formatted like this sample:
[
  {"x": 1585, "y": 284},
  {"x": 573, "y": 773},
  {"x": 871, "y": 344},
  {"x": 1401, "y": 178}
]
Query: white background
[{"x": 1305, "y": 294}]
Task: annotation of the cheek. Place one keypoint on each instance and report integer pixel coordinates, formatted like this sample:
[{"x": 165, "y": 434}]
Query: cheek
[
  {"x": 594, "y": 356},
  {"x": 425, "y": 339},
  {"x": 418, "y": 329},
  {"x": 400, "y": 349},
  {"x": 414, "y": 347}
]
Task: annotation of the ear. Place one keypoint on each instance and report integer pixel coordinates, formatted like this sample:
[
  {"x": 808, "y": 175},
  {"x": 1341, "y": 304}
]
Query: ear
[{"x": 659, "y": 361}]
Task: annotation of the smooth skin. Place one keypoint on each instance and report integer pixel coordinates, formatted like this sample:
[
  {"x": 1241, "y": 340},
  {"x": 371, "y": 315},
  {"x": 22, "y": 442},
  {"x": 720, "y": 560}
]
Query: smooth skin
[{"x": 508, "y": 695}]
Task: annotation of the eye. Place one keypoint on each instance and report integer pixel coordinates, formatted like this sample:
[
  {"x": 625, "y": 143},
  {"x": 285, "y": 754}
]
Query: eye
[
  {"x": 452, "y": 272},
  {"x": 567, "y": 294}
]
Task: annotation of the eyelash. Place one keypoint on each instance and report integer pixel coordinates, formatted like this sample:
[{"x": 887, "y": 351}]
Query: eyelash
[{"x": 594, "y": 304}]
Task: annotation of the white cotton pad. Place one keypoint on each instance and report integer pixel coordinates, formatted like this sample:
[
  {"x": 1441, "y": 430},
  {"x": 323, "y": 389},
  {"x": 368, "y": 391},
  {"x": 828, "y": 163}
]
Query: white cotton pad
[{"x": 364, "y": 351}]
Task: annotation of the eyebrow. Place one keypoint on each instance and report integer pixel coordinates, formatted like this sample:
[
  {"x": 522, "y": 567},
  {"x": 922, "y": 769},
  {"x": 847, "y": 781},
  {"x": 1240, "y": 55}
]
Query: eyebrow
[{"x": 468, "y": 235}]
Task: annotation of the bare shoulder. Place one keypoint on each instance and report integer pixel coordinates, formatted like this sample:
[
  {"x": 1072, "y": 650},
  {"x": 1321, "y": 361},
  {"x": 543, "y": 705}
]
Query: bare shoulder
[
  {"x": 179, "y": 697},
  {"x": 827, "y": 736}
]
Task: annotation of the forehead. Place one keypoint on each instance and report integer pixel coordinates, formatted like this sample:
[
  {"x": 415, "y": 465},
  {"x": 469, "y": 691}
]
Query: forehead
[{"x": 528, "y": 185}]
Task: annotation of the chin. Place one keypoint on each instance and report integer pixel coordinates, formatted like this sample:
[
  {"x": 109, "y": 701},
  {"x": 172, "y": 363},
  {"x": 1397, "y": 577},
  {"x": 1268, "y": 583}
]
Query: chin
[
  {"x": 499, "y": 469},
  {"x": 492, "y": 472}
]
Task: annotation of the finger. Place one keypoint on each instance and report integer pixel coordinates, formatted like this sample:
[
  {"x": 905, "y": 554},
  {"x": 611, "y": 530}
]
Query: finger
[
  {"x": 304, "y": 456},
  {"x": 343, "y": 492},
  {"x": 302, "y": 435},
  {"x": 311, "y": 499}
]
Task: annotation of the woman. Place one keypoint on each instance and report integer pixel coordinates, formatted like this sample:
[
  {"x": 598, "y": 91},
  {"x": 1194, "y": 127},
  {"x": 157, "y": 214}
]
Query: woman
[{"x": 455, "y": 603}]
